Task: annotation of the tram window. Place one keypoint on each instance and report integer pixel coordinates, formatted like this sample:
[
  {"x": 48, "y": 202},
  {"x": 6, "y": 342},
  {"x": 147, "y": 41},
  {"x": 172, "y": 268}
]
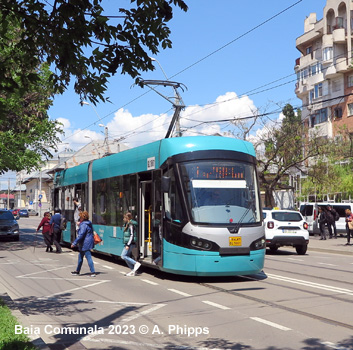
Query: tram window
[
  {"x": 99, "y": 201},
  {"x": 176, "y": 212},
  {"x": 221, "y": 191}
]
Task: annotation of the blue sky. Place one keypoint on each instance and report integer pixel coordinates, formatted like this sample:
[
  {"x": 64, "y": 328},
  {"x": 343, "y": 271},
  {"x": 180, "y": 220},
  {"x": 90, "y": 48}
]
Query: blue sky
[{"x": 215, "y": 59}]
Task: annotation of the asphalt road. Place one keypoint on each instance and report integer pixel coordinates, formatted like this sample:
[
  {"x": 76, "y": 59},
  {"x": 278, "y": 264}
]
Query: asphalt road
[{"x": 298, "y": 302}]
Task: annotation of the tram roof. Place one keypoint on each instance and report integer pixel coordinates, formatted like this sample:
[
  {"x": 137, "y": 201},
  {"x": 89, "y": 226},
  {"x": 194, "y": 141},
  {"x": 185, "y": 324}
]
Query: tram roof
[{"x": 152, "y": 156}]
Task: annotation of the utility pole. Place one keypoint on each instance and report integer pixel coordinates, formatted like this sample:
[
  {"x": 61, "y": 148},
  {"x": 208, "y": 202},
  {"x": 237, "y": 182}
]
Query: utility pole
[{"x": 8, "y": 193}]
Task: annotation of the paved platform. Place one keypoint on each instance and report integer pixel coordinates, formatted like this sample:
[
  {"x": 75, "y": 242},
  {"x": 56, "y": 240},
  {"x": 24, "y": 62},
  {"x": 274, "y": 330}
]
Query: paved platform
[{"x": 333, "y": 245}]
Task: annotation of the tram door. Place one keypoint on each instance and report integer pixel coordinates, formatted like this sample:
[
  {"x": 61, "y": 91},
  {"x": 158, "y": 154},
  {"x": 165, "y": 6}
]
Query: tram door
[{"x": 146, "y": 216}]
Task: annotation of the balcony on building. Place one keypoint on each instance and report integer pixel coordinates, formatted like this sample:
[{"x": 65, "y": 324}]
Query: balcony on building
[
  {"x": 339, "y": 36},
  {"x": 331, "y": 72},
  {"x": 342, "y": 64},
  {"x": 339, "y": 31}
]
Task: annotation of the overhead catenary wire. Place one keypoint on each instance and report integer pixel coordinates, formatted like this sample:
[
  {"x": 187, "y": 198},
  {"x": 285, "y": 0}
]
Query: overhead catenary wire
[{"x": 200, "y": 60}]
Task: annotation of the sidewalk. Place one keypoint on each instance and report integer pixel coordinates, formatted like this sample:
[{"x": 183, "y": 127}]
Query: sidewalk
[{"x": 330, "y": 245}]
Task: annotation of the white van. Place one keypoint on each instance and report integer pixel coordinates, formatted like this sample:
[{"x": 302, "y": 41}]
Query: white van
[{"x": 310, "y": 211}]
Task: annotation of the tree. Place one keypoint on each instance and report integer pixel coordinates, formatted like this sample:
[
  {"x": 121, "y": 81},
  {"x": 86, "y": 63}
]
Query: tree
[
  {"x": 26, "y": 133},
  {"x": 78, "y": 40},
  {"x": 75, "y": 39},
  {"x": 331, "y": 176},
  {"x": 284, "y": 148}
]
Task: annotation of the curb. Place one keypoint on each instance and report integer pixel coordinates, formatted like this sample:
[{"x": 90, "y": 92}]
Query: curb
[{"x": 38, "y": 342}]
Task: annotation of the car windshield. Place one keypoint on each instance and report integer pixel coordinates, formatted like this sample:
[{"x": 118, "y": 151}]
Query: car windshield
[
  {"x": 6, "y": 215},
  {"x": 286, "y": 216},
  {"x": 222, "y": 192}
]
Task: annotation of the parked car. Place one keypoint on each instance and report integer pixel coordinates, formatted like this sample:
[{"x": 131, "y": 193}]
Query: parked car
[
  {"x": 23, "y": 213},
  {"x": 32, "y": 212},
  {"x": 9, "y": 228},
  {"x": 286, "y": 228},
  {"x": 15, "y": 212}
]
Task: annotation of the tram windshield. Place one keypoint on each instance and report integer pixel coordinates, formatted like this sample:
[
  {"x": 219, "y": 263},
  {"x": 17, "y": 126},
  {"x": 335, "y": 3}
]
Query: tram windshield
[{"x": 224, "y": 192}]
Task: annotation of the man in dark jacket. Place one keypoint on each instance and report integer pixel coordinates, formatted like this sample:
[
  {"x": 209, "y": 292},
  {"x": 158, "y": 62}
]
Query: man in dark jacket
[
  {"x": 322, "y": 219},
  {"x": 331, "y": 221},
  {"x": 55, "y": 223}
]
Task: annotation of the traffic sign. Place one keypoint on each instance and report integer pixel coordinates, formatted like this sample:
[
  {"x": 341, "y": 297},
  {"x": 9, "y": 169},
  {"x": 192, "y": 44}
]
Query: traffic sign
[{"x": 40, "y": 196}]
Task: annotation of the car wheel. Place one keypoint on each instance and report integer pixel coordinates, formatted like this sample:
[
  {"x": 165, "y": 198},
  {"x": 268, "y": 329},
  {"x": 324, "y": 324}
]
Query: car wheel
[
  {"x": 301, "y": 249},
  {"x": 273, "y": 248}
]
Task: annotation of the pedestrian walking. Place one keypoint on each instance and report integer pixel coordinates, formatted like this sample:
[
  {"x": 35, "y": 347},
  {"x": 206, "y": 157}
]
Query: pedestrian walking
[
  {"x": 322, "y": 223},
  {"x": 55, "y": 223},
  {"x": 129, "y": 243},
  {"x": 85, "y": 243},
  {"x": 349, "y": 225},
  {"x": 46, "y": 231},
  {"x": 77, "y": 211},
  {"x": 332, "y": 217}
]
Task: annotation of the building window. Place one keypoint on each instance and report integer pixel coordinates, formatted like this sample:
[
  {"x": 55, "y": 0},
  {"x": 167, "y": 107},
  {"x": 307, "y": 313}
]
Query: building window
[
  {"x": 327, "y": 53},
  {"x": 337, "y": 112},
  {"x": 350, "y": 109},
  {"x": 319, "y": 117},
  {"x": 309, "y": 50},
  {"x": 350, "y": 80},
  {"x": 315, "y": 68},
  {"x": 318, "y": 90}
]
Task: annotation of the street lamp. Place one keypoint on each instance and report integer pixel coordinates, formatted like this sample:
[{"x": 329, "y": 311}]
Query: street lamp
[
  {"x": 88, "y": 104},
  {"x": 105, "y": 136},
  {"x": 160, "y": 66}
]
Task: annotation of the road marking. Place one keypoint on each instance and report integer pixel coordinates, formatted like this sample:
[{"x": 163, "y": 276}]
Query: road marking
[
  {"x": 272, "y": 324},
  {"x": 326, "y": 264},
  {"x": 312, "y": 284},
  {"x": 143, "y": 313},
  {"x": 108, "y": 267},
  {"x": 150, "y": 282},
  {"x": 136, "y": 345},
  {"x": 43, "y": 271},
  {"x": 78, "y": 288},
  {"x": 216, "y": 305},
  {"x": 153, "y": 307},
  {"x": 334, "y": 346},
  {"x": 180, "y": 292},
  {"x": 295, "y": 259}
]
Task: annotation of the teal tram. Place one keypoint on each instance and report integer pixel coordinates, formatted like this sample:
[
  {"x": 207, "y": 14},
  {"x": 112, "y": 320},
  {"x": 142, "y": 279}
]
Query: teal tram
[{"x": 196, "y": 201}]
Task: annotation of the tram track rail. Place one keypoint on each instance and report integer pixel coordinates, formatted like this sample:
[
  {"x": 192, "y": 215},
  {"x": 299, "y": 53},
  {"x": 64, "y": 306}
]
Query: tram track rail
[
  {"x": 349, "y": 282},
  {"x": 282, "y": 307}
]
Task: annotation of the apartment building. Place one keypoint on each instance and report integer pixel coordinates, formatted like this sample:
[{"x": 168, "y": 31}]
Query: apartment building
[{"x": 325, "y": 69}]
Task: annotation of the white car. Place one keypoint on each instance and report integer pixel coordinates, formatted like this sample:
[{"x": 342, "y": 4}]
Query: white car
[{"x": 286, "y": 228}]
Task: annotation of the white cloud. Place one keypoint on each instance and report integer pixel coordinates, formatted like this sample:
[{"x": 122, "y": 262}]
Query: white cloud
[{"x": 145, "y": 128}]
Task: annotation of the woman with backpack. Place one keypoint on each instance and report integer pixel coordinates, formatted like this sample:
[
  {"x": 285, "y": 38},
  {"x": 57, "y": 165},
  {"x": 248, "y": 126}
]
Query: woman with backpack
[{"x": 129, "y": 243}]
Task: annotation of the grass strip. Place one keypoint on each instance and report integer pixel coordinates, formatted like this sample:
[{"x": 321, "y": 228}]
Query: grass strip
[{"x": 8, "y": 339}]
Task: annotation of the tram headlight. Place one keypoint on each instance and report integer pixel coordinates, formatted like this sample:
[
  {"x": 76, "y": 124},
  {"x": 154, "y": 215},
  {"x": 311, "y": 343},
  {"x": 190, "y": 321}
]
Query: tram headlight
[
  {"x": 200, "y": 243},
  {"x": 258, "y": 244}
]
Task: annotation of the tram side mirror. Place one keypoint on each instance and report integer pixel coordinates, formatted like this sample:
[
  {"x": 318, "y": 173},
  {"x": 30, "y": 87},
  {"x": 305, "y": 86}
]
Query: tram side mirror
[{"x": 165, "y": 184}]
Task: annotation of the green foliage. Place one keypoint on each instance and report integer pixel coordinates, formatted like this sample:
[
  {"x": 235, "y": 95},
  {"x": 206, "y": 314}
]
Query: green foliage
[
  {"x": 76, "y": 39},
  {"x": 8, "y": 339},
  {"x": 286, "y": 148},
  {"x": 26, "y": 90},
  {"x": 329, "y": 178},
  {"x": 80, "y": 41}
]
